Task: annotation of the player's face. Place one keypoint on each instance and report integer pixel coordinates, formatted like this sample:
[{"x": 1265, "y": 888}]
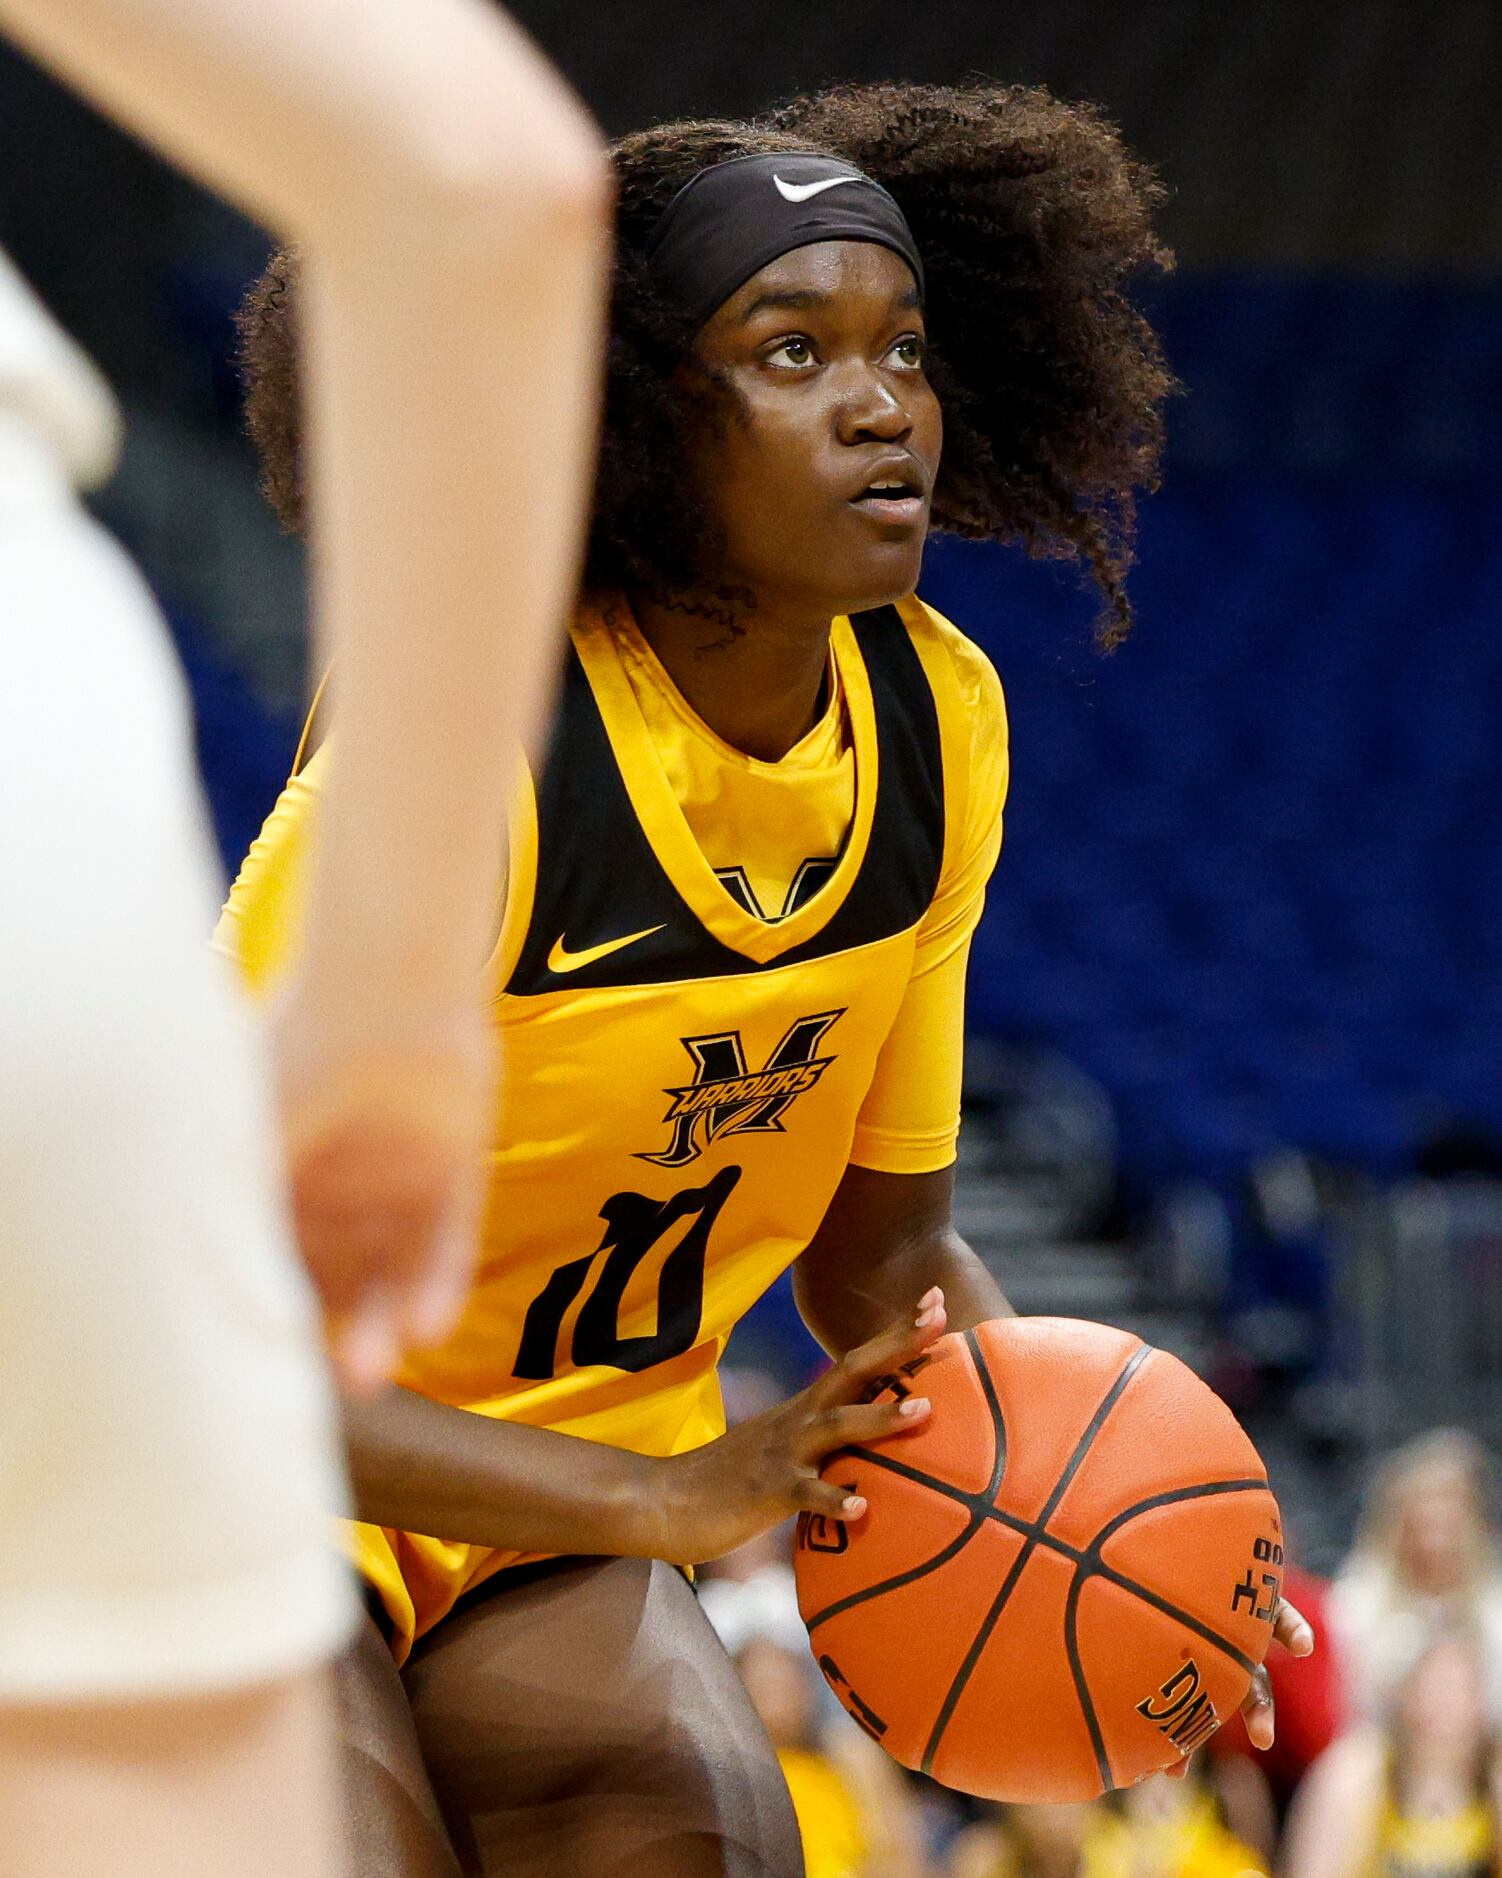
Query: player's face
[{"x": 824, "y": 475}]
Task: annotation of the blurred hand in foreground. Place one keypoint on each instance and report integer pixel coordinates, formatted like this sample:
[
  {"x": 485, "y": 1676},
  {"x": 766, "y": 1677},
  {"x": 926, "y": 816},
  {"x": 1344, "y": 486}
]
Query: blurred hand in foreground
[{"x": 384, "y": 1141}]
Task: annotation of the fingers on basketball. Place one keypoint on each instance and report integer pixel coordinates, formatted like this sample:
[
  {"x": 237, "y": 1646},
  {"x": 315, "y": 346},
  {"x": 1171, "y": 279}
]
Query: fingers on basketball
[
  {"x": 833, "y": 1428},
  {"x": 1258, "y": 1711},
  {"x": 1293, "y": 1630},
  {"x": 856, "y": 1371},
  {"x": 825, "y": 1498}
]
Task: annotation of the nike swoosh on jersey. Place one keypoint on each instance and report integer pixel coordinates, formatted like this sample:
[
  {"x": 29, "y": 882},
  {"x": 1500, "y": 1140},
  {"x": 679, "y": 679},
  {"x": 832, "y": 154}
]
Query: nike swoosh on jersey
[
  {"x": 800, "y": 192},
  {"x": 561, "y": 960}
]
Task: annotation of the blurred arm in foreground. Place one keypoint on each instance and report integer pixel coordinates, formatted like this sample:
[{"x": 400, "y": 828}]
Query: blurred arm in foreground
[{"x": 451, "y": 202}]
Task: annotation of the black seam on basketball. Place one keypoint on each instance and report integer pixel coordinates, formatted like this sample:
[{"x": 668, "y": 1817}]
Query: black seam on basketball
[
  {"x": 977, "y": 1507},
  {"x": 972, "y": 1655},
  {"x": 1045, "y": 1539},
  {"x": 1081, "y": 1687},
  {"x": 1092, "y": 1565},
  {"x": 975, "y": 1504},
  {"x": 1097, "y": 1422},
  {"x": 1226, "y": 1648},
  {"x": 972, "y": 1502},
  {"x": 1205, "y": 1490},
  {"x": 910, "y": 1576},
  {"x": 988, "y": 1623},
  {"x": 1073, "y": 1553},
  {"x": 993, "y": 1403}
]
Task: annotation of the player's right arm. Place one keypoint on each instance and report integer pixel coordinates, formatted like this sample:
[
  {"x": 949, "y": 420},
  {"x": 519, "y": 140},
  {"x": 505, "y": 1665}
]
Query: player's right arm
[
  {"x": 422, "y": 1466},
  {"x": 451, "y": 204}
]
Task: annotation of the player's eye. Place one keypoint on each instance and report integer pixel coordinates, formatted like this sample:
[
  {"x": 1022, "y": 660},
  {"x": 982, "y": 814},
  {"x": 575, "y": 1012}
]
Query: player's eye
[
  {"x": 791, "y": 354},
  {"x": 908, "y": 352}
]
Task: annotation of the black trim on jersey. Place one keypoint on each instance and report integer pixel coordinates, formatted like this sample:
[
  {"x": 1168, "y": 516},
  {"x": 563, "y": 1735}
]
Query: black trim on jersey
[
  {"x": 813, "y": 873},
  {"x": 737, "y": 884},
  {"x": 598, "y": 877}
]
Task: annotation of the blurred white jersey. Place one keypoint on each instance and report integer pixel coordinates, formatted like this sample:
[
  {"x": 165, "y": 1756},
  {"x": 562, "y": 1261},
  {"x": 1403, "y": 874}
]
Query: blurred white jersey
[{"x": 167, "y": 1462}]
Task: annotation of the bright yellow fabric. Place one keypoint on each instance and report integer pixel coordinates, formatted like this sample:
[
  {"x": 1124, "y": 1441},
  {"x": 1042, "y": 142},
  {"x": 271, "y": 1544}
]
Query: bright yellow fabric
[
  {"x": 764, "y": 819},
  {"x": 1453, "y": 1845},
  {"x": 835, "y": 1842},
  {"x": 261, "y": 925},
  {"x": 1193, "y": 1844},
  {"x": 587, "y": 1080},
  {"x": 910, "y": 1120}
]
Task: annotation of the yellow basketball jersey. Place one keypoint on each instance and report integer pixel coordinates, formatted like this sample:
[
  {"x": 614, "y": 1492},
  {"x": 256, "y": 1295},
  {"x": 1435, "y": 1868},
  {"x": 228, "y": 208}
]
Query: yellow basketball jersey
[
  {"x": 684, "y": 1082},
  {"x": 1458, "y": 1844},
  {"x": 1191, "y": 1844}
]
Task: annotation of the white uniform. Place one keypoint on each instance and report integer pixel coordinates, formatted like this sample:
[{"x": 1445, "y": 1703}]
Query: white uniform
[{"x": 167, "y": 1463}]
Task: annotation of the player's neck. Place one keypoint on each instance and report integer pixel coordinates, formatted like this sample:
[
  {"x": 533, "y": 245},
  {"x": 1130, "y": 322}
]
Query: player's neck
[{"x": 757, "y": 684}]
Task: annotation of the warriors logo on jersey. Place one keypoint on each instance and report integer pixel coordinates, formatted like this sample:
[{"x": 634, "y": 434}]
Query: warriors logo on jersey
[
  {"x": 625, "y": 1235},
  {"x": 725, "y": 1098}
]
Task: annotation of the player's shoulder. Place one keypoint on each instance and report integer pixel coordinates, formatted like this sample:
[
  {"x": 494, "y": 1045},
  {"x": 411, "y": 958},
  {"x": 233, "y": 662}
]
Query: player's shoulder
[
  {"x": 972, "y": 715},
  {"x": 975, "y": 685}
]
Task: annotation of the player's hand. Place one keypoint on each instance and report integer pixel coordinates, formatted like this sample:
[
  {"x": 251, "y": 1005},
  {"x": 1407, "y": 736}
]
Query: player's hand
[
  {"x": 721, "y": 1495},
  {"x": 384, "y": 1139},
  {"x": 1295, "y": 1633}
]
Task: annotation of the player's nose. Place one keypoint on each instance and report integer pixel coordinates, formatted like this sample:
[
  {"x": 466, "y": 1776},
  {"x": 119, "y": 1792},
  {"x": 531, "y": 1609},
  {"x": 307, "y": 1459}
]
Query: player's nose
[{"x": 871, "y": 412}]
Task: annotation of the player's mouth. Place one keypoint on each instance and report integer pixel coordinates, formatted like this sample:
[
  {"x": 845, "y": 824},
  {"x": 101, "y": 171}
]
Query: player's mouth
[{"x": 895, "y": 491}]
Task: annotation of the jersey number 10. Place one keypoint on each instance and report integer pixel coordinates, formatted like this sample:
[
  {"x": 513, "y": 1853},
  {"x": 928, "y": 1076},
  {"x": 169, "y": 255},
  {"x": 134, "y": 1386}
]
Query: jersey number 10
[{"x": 634, "y": 1223}]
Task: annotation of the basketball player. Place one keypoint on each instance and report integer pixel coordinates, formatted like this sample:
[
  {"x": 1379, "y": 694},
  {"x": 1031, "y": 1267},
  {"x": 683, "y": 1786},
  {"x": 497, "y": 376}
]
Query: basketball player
[
  {"x": 730, "y": 970},
  {"x": 160, "y": 1368}
]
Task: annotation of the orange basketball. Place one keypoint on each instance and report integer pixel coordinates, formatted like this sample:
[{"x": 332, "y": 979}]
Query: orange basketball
[{"x": 1064, "y": 1577}]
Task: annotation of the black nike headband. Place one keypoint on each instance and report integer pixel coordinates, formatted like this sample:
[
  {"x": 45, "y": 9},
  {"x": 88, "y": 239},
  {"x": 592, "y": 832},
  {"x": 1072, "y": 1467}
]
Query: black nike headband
[{"x": 730, "y": 221}]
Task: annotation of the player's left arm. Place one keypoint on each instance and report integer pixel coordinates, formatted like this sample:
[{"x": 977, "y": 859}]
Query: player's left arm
[
  {"x": 891, "y": 1214},
  {"x": 881, "y": 1230},
  {"x": 889, "y": 1231}
]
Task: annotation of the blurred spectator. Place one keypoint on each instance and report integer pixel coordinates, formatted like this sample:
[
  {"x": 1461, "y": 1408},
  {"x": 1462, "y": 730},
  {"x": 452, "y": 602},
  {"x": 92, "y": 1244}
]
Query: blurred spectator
[
  {"x": 1426, "y": 1554},
  {"x": 1160, "y": 1829},
  {"x": 1245, "y": 1796},
  {"x": 1024, "y": 1842},
  {"x": 1165, "y": 1829},
  {"x": 855, "y": 1810},
  {"x": 1415, "y": 1796},
  {"x": 1256, "y": 1788}
]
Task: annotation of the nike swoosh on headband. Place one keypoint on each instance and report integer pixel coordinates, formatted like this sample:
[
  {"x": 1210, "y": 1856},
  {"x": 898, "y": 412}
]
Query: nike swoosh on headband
[
  {"x": 728, "y": 222},
  {"x": 561, "y": 960},
  {"x": 800, "y": 192}
]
